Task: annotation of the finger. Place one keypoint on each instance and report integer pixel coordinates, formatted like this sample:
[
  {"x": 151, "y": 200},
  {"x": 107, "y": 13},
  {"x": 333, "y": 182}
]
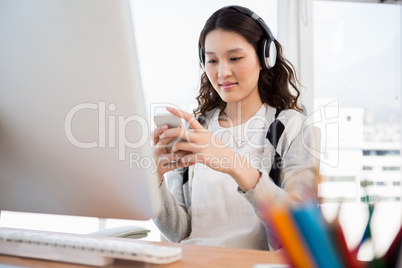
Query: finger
[
  {"x": 188, "y": 146},
  {"x": 190, "y": 159},
  {"x": 157, "y": 132},
  {"x": 184, "y": 135},
  {"x": 177, "y": 156},
  {"x": 172, "y": 133},
  {"x": 186, "y": 116},
  {"x": 162, "y": 146},
  {"x": 170, "y": 158}
]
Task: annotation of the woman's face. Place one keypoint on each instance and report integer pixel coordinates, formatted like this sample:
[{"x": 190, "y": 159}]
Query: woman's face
[{"x": 232, "y": 66}]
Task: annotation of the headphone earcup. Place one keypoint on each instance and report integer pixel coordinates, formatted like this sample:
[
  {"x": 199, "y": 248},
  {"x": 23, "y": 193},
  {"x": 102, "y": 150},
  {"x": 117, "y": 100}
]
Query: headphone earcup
[
  {"x": 201, "y": 58},
  {"x": 267, "y": 54}
]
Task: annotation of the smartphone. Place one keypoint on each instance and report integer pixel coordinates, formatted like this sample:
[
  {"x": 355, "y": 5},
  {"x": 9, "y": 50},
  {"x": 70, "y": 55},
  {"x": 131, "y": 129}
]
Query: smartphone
[
  {"x": 171, "y": 121},
  {"x": 167, "y": 119}
]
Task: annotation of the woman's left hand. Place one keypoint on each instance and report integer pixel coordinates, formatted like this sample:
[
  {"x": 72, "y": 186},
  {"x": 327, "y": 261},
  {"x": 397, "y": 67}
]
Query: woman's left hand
[{"x": 204, "y": 147}]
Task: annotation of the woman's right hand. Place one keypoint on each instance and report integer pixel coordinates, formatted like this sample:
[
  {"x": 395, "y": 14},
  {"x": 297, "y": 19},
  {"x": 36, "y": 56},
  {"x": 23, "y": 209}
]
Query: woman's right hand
[{"x": 166, "y": 161}]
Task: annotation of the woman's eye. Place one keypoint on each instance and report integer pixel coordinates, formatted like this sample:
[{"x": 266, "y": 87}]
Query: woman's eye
[
  {"x": 236, "y": 59},
  {"x": 211, "y": 61}
]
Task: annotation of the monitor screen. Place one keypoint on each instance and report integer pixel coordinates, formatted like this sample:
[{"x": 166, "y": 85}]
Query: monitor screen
[{"x": 74, "y": 133}]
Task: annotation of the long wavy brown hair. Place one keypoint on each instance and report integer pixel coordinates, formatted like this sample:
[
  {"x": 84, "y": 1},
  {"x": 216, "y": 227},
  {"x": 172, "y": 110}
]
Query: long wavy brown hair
[{"x": 273, "y": 84}]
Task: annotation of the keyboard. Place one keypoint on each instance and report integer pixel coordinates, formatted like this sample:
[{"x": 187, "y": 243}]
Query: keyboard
[{"x": 82, "y": 249}]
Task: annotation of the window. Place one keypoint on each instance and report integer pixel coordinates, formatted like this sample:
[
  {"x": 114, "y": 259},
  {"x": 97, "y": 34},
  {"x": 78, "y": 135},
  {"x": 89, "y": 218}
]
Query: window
[
  {"x": 367, "y": 168},
  {"x": 341, "y": 178},
  {"x": 380, "y": 152},
  {"x": 357, "y": 61},
  {"x": 357, "y": 65},
  {"x": 385, "y": 168}
]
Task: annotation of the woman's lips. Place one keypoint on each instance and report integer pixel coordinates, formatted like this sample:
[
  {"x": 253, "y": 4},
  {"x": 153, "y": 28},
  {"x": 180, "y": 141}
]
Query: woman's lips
[{"x": 227, "y": 85}]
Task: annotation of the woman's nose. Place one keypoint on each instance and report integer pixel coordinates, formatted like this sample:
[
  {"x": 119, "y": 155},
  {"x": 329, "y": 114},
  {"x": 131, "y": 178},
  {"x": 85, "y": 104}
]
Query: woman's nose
[{"x": 224, "y": 70}]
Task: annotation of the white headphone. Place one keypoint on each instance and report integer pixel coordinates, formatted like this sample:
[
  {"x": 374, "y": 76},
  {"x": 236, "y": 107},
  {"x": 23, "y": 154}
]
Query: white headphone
[{"x": 267, "y": 49}]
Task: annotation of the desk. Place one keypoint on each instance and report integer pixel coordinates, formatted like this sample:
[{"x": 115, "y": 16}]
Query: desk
[{"x": 193, "y": 256}]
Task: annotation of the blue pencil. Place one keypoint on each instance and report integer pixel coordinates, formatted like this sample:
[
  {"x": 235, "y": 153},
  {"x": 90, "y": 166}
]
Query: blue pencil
[{"x": 316, "y": 234}]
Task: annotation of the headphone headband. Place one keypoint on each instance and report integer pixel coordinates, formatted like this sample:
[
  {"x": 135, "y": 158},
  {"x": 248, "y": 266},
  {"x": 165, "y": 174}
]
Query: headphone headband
[
  {"x": 267, "y": 49},
  {"x": 255, "y": 17}
]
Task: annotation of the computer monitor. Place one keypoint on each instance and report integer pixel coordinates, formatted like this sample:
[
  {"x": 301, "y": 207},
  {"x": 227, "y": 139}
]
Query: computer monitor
[{"x": 74, "y": 135}]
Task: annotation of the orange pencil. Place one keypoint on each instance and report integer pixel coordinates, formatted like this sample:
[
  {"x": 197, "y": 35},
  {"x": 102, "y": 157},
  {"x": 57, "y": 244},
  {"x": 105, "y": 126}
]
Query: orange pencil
[{"x": 288, "y": 234}]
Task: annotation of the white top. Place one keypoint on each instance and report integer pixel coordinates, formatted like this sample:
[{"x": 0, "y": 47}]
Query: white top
[
  {"x": 221, "y": 226},
  {"x": 220, "y": 216}
]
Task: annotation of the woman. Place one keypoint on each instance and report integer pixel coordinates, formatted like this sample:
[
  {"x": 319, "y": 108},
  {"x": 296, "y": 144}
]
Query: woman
[{"x": 249, "y": 128}]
